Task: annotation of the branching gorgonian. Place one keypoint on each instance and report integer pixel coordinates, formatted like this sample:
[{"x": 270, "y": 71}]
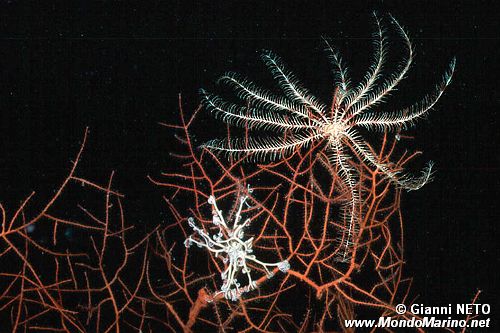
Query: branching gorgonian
[
  {"x": 301, "y": 119},
  {"x": 236, "y": 252}
]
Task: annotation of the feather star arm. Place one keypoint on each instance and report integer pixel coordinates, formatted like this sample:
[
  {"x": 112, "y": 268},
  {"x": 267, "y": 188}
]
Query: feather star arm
[
  {"x": 290, "y": 85},
  {"x": 375, "y": 69},
  {"x": 268, "y": 148},
  {"x": 240, "y": 116},
  {"x": 385, "y": 88},
  {"x": 258, "y": 97},
  {"x": 409, "y": 115},
  {"x": 405, "y": 181}
]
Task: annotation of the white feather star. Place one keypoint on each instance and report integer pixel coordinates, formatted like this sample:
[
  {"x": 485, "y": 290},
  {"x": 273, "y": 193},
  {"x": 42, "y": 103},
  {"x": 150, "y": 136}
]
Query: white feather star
[{"x": 309, "y": 120}]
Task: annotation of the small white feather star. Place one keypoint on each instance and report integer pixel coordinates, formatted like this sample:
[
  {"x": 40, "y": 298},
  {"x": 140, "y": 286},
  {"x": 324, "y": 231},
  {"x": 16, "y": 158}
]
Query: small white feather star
[{"x": 235, "y": 250}]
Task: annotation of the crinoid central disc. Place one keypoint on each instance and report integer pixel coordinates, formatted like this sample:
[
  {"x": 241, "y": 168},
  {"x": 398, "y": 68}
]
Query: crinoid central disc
[{"x": 334, "y": 130}]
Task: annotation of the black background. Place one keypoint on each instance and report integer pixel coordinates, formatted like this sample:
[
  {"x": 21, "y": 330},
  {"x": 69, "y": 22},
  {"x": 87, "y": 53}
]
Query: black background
[{"x": 118, "y": 68}]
